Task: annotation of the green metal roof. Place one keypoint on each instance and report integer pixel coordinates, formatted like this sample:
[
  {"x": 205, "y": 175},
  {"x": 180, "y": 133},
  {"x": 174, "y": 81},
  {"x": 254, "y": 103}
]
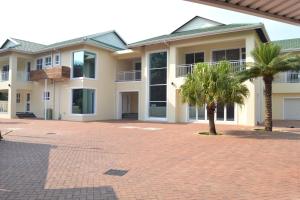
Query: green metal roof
[
  {"x": 27, "y": 45},
  {"x": 95, "y": 39},
  {"x": 289, "y": 44},
  {"x": 214, "y": 29}
]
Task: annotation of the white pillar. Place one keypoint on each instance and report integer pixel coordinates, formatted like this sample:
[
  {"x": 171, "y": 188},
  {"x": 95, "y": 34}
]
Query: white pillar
[
  {"x": 247, "y": 114},
  {"x": 171, "y": 86},
  {"x": 13, "y": 65}
]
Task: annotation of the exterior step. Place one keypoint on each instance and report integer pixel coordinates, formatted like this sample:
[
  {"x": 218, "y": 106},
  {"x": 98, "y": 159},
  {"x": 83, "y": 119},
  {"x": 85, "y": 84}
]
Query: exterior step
[
  {"x": 22, "y": 115},
  {"x": 130, "y": 116}
]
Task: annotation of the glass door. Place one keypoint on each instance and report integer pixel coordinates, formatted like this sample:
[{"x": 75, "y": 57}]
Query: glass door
[{"x": 27, "y": 105}]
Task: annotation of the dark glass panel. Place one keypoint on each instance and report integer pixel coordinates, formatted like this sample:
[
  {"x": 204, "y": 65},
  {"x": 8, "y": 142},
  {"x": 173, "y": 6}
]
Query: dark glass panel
[
  {"x": 189, "y": 58},
  {"x": 219, "y": 55},
  {"x": 158, "y": 93},
  {"x": 192, "y": 112},
  {"x": 199, "y": 57},
  {"x": 78, "y": 62},
  {"x": 233, "y": 54},
  {"x": 230, "y": 112},
  {"x": 158, "y": 76},
  {"x": 158, "y": 60},
  {"x": 157, "y": 109},
  {"x": 220, "y": 111},
  {"x": 89, "y": 65}
]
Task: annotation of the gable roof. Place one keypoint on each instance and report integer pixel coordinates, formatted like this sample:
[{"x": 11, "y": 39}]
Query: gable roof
[
  {"x": 197, "y": 22},
  {"x": 22, "y": 45},
  {"x": 109, "y": 40},
  {"x": 260, "y": 29},
  {"x": 289, "y": 44}
]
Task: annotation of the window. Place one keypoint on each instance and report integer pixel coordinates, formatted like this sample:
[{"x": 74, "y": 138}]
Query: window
[
  {"x": 18, "y": 98},
  {"x": 48, "y": 61},
  {"x": 158, "y": 85},
  {"x": 39, "y": 63},
  {"x": 192, "y": 58},
  {"x": 196, "y": 113},
  {"x": 228, "y": 54},
  {"x": 84, "y": 64},
  {"x": 28, "y": 97},
  {"x": 46, "y": 95},
  {"x": 83, "y": 101},
  {"x": 223, "y": 113},
  {"x": 57, "y": 59},
  {"x": 5, "y": 73}
]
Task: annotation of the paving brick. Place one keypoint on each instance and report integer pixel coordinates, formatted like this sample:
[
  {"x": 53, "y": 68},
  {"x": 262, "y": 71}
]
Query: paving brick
[{"x": 164, "y": 161}]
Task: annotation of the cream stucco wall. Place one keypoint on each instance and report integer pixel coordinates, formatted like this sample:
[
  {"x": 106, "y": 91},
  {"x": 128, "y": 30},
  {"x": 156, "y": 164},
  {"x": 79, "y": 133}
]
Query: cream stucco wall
[{"x": 108, "y": 91}]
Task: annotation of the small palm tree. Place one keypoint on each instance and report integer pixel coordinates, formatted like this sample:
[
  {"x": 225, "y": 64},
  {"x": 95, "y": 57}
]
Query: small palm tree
[
  {"x": 212, "y": 84},
  {"x": 267, "y": 62}
]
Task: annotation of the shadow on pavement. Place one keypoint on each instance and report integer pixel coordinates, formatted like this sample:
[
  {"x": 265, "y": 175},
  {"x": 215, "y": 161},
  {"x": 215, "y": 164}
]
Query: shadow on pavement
[{"x": 24, "y": 170}]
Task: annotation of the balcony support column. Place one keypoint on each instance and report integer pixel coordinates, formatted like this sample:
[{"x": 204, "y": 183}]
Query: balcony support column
[{"x": 12, "y": 87}]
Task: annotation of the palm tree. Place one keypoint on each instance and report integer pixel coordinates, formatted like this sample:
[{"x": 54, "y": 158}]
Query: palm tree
[
  {"x": 267, "y": 62},
  {"x": 212, "y": 84}
]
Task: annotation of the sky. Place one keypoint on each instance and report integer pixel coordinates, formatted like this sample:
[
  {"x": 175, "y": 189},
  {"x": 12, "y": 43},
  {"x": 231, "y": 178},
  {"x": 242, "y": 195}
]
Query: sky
[{"x": 49, "y": 21}]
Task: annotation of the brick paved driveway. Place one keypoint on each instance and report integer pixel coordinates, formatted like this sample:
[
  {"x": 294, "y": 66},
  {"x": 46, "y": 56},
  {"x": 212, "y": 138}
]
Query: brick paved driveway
[{"x": 67, "y": 160}]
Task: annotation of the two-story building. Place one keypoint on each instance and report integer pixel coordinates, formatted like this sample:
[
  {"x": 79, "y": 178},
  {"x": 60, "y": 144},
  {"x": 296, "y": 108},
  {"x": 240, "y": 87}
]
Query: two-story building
[{"x": 100, "y": 77}]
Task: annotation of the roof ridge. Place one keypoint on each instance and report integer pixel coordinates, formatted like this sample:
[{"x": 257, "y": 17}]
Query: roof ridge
[{"x": 16, "y": 39}]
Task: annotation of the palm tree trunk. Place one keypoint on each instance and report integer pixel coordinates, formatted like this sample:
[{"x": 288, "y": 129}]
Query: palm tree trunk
[
  {"x": 211, "y": 118},
  {"x": 268, "y": 102}
]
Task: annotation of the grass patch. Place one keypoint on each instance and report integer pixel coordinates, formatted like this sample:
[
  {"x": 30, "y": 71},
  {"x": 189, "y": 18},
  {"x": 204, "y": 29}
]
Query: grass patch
[{"x": 207, "y": 133}]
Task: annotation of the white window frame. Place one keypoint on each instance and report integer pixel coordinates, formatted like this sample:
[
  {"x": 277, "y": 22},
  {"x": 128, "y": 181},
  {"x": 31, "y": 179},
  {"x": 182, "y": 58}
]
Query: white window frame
[
  {"x": 41, "y": 64},
  {"x": 46, "y": 95},
  {"x": 224, "y": 121},
  {"x": 57, "y": 62},
  {"x": 148, "y": 117},
  {"x": 71, "y": 102},
  {"x": 18, "y": 98},
  {"x": 48, "y": 64},
  {"x": 96, "y": 65}
]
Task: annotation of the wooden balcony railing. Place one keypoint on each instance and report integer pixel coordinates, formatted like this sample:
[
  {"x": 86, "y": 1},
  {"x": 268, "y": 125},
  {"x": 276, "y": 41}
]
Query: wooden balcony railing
[{"x": 60, "y": 73}]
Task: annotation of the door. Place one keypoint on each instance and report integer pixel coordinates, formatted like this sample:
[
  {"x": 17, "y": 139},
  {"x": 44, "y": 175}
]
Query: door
[
  {"x": 27, "y": 105},
  {"x": 292, "y": 109},
  {"x": 125, "y": 103}
]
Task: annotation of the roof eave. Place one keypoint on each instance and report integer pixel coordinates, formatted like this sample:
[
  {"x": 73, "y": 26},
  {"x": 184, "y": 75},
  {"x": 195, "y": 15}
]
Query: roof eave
[{"x": 251, "y": 27}]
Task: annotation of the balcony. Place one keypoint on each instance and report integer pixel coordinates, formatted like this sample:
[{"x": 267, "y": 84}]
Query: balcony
[
  {"x": 184, "y": 69},
  {"x": 4, "y": 76},
  {"x": 287, "y": 77},
  {"x": 60, "y": 73},
  {"x": 124, "y": 76}
]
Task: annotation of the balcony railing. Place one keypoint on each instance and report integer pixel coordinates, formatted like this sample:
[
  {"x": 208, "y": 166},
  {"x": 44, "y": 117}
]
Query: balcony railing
[
  {"x": 57, "y": 73},
  {"x": 123, "y": 76},
  {"x": 288, "y": 77},
  {"x": 184, "y": 69},
  {"x": 3, "y": 106},
  {"x": 4, "y": 76}
]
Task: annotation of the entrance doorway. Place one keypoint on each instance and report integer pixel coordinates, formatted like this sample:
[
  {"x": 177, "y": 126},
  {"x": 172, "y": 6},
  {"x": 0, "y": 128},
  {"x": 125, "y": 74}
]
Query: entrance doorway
[{"x": 129, "y": 105}]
